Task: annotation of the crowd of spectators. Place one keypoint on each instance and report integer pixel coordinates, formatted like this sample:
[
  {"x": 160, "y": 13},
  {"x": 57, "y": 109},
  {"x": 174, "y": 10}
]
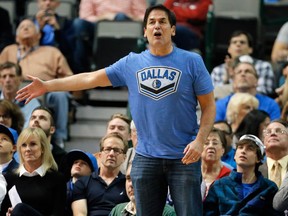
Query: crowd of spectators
[{"x": 244, "y": 158}]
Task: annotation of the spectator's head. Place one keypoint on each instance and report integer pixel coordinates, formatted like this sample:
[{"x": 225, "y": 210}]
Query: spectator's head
[
  {"x": 77, "y": 163},
  {"x": 8, "y": 139},
  {"x": 133, "y": 134},
  {"x": 245, "y": 78},
  {"x": 250, "y": 152},
  {"x": 34, "y": 149},
  {"x": 159, "y": 17},
  {"x": 11, "y": 115},
  {"x": 225, "y": 127},
  {"x": 240, "y": 43},
  {"x": 214, "y": 147},
  {"x": 42, "y": 117},
  {"x": 129, "y": 186},
  {"x": 113, "y": 148},
  {"x": 27, "y": 34},
  {"x": 119, "y": 123},
  {"x": 276, "y": 139},
  {"x": 239, "y": 105},
  {"x": 253, "y": 123},
  {"x": 10, "y": 78}
]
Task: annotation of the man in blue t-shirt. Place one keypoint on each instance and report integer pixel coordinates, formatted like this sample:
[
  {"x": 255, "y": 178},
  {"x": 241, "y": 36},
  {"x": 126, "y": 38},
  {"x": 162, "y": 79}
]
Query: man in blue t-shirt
[{"x": 165, "y": 84}]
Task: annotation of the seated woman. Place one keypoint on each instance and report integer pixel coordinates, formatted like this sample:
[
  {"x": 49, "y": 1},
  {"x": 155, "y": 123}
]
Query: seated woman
[
  {"x": 253, "y": 123},
  {"x": 41, "y": 188},
  {"x": 212, "y": 166},
  {"x": 239, "y": 105}
]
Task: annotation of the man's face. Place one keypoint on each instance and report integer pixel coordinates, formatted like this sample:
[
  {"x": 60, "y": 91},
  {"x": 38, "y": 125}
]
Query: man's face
[
  {"x": 48, "y": 4},
  {"x": 246, "y": 155},
  {"x": 6, "y": 145},
  {"x": 27, "y": 31},
  {"x": 9, "y": 80},
  {"x": 244, "y": 77},
  {"x": 129, "y": 186},
  {"x": 112, "y": 155},
  {"x": 276, "y": 140},
  {"x": 213, "y": 148},
  {"x": 119, "y": 126},
  {"x": 158, "y": 29},
  {"x": 80, "y": 168},
  {"x": 41, "y": 119},
  {"x": 239, "y": 46}
]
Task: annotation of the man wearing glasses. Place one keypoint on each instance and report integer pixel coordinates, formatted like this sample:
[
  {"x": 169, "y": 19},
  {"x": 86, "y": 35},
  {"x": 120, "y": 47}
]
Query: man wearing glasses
[
  {"x": 276, "y": 143},
  {"x": 98, "y": 193}
]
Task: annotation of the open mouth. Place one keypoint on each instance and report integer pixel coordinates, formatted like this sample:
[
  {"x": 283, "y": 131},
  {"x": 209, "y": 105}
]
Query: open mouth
[{"x": 157, "y": 34}]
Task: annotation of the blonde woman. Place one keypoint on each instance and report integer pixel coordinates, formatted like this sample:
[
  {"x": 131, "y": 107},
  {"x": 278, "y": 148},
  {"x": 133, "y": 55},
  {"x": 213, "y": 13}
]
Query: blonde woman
[
  {"x": 239, "y": 105},
  {"x": 41, "y": 188}
]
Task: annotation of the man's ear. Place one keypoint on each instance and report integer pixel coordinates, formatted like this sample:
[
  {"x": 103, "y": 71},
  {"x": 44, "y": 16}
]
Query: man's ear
[
  {"x": 14, "y": 148},
  {"x": 173, "y": 30},
  {"x": 144, "y": 32},
  {"x": 52, "y": 130}
]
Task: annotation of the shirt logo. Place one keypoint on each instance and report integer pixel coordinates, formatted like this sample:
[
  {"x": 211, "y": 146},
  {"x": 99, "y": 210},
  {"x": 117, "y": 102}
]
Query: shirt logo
[{"x": 158, "y": 82}]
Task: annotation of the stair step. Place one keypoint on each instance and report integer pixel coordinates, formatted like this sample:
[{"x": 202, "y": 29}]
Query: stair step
[
  {"x": 87, "y": 144},
  {"x": 97, "y": 113}
]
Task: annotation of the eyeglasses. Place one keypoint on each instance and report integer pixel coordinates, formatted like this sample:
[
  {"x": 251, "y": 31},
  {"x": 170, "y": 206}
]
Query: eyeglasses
[
  {"x": 116, "y": 151},
  {"x": 277, "y": 131},
  {"x": 5, "y": 117}
]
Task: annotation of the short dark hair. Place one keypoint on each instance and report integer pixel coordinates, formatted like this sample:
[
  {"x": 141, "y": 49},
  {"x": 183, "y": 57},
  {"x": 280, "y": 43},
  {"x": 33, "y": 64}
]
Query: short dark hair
[
  {"x": 228, "y": 126},
  {"x": 170, "y": 14},
  {"x": 221, "y": 135},
  {"x": 8, "y": 64},
  {"x": 48, "y": 111},
  {"x": 247, "y": 34}
]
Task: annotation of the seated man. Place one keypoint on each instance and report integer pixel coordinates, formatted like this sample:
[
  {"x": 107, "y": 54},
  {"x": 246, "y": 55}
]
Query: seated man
[
  {"x": 56, "y": 30},
  {"x": 129, "y": 208},
  {"x": 98, "y": 193},
  {"x": 42, "y": 117},
  {"x": 74, "y": 165},
  {"x": 119, "y": 123},
  {"x": 245, "y": 191},
  {"x": 8, "y": 137},
  {"x": 241, "y": 43},
  {"x": 44, "y": 62},
  {"x": 11, "y": 79},
  {"x": 280, "y": 201},
  {"x": 245, "y": 80}
]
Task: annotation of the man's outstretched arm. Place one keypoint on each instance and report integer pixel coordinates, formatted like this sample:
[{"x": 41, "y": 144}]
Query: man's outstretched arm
[{"x": 72, "y": 83}]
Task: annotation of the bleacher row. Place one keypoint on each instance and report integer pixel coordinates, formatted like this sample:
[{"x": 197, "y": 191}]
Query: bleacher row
[{"x": 263, "y": 20}]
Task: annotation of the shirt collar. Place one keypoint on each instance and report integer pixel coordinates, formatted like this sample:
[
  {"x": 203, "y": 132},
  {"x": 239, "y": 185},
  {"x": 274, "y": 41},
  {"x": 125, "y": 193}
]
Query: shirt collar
[
  {"x": 130, "y": 208},
  {"x": 39, "y": 171}
]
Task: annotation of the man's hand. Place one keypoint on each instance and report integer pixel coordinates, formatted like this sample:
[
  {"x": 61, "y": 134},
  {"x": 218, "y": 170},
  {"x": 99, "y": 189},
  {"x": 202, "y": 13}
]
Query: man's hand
[
  {"x": 33, "y": 90},
  {"x": 192, "y": 152}
]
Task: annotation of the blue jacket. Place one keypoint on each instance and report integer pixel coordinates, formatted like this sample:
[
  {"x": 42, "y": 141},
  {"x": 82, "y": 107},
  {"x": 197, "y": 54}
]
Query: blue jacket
[
  {"x": 13, "y": 165},
  {"x": 225, "y": 197}
]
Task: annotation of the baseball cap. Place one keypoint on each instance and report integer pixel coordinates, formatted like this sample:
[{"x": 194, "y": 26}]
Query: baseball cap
[
  {"x": 11, "y": 133},
  {"x": 256, "y": 140},
  {"x": 76, "y": 154}
]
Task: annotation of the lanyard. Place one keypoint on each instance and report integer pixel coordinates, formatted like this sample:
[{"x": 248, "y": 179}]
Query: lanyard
[{"x": 19, "y": 57}]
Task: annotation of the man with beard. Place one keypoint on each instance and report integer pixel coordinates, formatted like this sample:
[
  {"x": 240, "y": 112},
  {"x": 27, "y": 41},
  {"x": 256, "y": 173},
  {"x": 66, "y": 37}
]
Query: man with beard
[{"x": 42, "y": 117}]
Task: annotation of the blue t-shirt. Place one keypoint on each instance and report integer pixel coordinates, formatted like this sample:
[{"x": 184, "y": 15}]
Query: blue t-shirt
[{"x": 162, "y": 97}]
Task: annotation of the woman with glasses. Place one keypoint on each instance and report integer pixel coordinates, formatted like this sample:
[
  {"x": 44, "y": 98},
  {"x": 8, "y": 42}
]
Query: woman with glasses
[{"x": 212, "y": 166}]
